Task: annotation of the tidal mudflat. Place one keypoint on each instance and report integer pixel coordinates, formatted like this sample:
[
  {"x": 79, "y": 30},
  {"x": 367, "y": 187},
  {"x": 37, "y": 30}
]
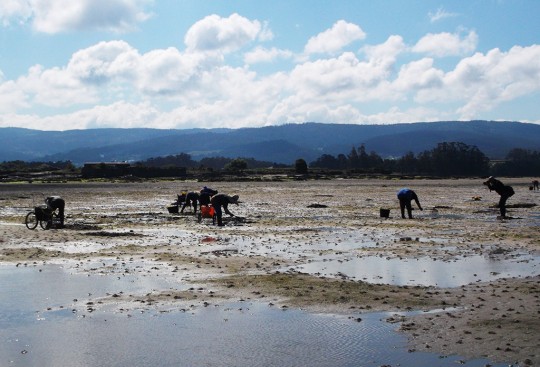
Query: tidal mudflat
[{"x": 288, "y": 283}]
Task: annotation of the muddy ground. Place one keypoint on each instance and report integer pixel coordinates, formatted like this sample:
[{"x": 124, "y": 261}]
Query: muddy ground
[{"x": 125, "y": 228}]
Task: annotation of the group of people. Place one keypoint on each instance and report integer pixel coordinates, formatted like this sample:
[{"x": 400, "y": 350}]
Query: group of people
[
  {"x": 220, "y": 202},
  {"x": 208, "y": 196},
  {"x": 406, "y": 196}
]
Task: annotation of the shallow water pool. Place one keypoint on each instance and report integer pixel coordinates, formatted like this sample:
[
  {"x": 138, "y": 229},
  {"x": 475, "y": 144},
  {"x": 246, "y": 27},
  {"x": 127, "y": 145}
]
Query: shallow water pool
[
  {"x": 40, "y": 327},
  {"x": 425, "y": 270}
]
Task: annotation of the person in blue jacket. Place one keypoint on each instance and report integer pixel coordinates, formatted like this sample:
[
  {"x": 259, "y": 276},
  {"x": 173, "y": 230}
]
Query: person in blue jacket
[{"x": 405, "y": 197}]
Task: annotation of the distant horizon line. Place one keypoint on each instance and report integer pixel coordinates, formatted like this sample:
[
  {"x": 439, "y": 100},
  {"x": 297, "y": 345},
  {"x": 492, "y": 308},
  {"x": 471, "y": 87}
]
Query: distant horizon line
[{"x": 278, "y": 125}]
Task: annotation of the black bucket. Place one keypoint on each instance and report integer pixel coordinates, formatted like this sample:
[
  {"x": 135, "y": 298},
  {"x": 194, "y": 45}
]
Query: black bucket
[{"x": 385, "y": 213}]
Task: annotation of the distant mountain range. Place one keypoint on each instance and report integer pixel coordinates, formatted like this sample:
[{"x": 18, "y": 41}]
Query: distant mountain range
[{"x": 281, "y": 144}]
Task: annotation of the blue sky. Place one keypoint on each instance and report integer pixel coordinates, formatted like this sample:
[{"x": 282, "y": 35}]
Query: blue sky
[{"x": 227, "y": 63}]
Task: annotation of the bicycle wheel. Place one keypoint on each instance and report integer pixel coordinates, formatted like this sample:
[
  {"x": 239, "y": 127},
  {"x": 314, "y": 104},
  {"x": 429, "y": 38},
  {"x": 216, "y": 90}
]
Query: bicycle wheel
[
  {"x": 46, "y": 224},
  {"x": 31, "y": 220}
]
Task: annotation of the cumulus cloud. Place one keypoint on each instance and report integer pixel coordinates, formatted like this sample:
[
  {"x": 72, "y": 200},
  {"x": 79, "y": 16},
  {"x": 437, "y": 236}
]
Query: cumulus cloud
[
  {"x": 104, "y": 61},
  {"x": 112, "y": 82},
  {"x": 418, "y": 75},
  {"x": 334, "y": 39},
  {"x": 18, "y": 11},
  {"x": 447, "y": 44},
  {"x": 12, "y": 99},
  {"x": 261, "y": 54},
  {"x": 214, "y": 33},
  {"x": 483, "y": 81},
  {"x": 100, "y": 116},
  {"x": 54, "y": 88},
  {"x": 54, "y": 16},
  {"x": 387, "y": 52}
]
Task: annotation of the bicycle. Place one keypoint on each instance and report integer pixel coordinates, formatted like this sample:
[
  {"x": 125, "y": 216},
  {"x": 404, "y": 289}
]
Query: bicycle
[{"x": 43, "y": 216}]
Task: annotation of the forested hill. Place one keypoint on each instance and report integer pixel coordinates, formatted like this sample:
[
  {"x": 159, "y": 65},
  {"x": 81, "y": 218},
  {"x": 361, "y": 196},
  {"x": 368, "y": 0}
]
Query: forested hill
[{"x": 282, "y": 144}]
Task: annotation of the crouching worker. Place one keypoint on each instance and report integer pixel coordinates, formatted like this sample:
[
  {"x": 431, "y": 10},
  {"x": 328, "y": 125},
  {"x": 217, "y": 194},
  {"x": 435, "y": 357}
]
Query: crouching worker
[
  {"x": 191, "y": 199},
  {"x": 56, "y": 202},
  {"x": 222, "y": 200},
  {"x": 405, "y": 197},
  {"x": 501, "y": 189},
  {"x": 205, "y": 195}
]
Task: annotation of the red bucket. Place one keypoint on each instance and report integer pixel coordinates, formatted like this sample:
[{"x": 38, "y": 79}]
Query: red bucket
[{"x": 207, "y": 211}]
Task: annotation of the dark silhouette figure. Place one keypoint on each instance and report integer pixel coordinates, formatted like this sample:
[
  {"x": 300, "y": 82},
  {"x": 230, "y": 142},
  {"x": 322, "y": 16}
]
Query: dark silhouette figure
[
  {"x": 501, "y": 189},
  {"x": 191, "y": 199},
  {"x": 222, "y": 200},
  {"x": 535, "y": 185},
  {"x": 205, "y": 195},
  {"x": 406, "y": 196},
  {"x": 56, "y": 202}
]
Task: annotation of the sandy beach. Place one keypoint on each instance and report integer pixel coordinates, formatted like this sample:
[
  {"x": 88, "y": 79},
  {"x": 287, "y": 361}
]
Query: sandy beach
[{"x": 311, "y": 245}]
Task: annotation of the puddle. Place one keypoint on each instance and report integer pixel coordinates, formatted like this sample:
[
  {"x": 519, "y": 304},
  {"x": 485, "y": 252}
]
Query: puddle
[
  {"x": 425, "y": 271},
  {"x": 235, "y": 334}
]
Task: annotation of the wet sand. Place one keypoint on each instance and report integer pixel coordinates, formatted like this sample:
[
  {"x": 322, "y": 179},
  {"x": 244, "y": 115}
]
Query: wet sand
[{"x": 125, "y": 227}]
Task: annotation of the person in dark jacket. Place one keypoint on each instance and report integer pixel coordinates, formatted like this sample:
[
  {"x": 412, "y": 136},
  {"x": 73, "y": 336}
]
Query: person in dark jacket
[
  {"x": 205, "y": 195},
  {"x": 405, "y": 197},
  {"x": 222, "y": 200},
  {"x": 191, "y": 199},
  {"x": 56, "y": 202},
  {"x": 503, "y": 190}
]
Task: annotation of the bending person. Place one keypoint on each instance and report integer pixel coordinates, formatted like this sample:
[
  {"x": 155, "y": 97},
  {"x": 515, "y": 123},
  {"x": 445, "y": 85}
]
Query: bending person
[
  {"x": 221, "y": 200},
  {"x": 191, "y": 199},
  {"x": 56, "y": 202},
  {"x": 405, "y": 197},
  {"x": 504, "y": 190}
]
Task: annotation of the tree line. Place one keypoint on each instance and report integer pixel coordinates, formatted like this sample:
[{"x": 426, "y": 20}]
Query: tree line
[
  {"x": 447, "y": 159},
  {"x": 23, "y": 166}
]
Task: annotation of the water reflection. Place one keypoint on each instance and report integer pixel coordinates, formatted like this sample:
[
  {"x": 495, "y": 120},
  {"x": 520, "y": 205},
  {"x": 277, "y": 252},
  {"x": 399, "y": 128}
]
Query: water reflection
[
  {"x": 38, "y": 327},
  {"x": 425, "y": 271}
]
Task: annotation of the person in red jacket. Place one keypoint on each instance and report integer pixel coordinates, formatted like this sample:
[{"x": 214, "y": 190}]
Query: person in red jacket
[{"x": 504, "y": 190}]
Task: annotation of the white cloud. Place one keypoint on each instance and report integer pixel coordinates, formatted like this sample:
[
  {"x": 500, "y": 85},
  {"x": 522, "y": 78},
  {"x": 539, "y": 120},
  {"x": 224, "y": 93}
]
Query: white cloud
[
  {"x": 55, "y": 88},
  {"x": 396, "y": 115},
  {"x": 334, "y": 39},
  {"x": 387, "y": 52},
  {"x": 446, "y": 44},
  {"x": 12, "y": 99},
  {"x": 214, "y": 33},
  {"x": 418, "y": 75},
  {"x": 112, "y": 83},
  {"x": 261, "y": 54},
  {"x": 104, "y": 61},
  {"x": 100, "y": 116},
  {"x": 18, "y": 11},
  {"x": 483, "y": 81},
  {"x": 169, "y": 72},
  {"x": 440, "y": 14},
  {"x": 54, "y": 16}
]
